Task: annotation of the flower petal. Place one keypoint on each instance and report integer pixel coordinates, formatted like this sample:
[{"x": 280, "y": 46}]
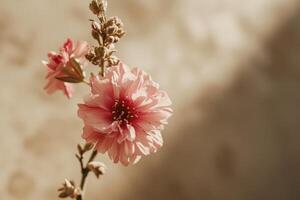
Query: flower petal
[
  {"x": 95, "y": 117},
  {"x": 102, "y": 101}
]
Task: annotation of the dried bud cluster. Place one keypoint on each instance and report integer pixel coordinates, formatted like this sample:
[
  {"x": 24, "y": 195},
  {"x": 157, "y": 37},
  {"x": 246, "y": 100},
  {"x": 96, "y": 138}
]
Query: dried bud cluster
[
  {"x": 113, "y": 30},
  {"x": 101, "y": 54},
  {"x": 107, "y": 32},
  {"x": 68, "y": 190},
  {"x": 97, "y": 167}
]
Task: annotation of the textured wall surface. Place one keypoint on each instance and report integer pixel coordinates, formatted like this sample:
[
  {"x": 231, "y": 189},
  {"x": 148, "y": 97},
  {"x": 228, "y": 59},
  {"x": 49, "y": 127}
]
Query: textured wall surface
[{"x": 231, "y": 68}]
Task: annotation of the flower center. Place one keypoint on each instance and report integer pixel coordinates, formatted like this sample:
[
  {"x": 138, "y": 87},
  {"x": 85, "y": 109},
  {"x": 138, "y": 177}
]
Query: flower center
[{"x": 123, "y": 112}]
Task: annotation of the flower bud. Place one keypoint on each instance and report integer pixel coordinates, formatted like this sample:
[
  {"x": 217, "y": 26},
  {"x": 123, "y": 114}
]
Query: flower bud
[
  {"x": 88, "y": 146},
  {"x": 110, "y": 39},
  {"x": 113, "y": 60},
  {"x": 94, "y": 7},
  {"x": 96, "y": 26},
  {"x": 90, "y": 56},
  {"x": 120, "y": 33},
  {"x": 116, "y": 39},
  {"x": 98, "y": 7},
  {"x": 118, "y": 22},
  {"x": 95, "y": 61},
  {"x": 95, "y": 34},
  {"x": 112, "y": 29},
  {"x": 103, "y": 5},
  {"x": 111, "y": 21},
  {"x": 68, "y": 190},
  {"x": 97, "y": 167}
]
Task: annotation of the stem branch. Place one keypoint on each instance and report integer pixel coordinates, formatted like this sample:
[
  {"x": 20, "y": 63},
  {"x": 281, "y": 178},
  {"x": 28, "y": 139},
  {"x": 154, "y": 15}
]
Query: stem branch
[{"x": 84, "y": 172}]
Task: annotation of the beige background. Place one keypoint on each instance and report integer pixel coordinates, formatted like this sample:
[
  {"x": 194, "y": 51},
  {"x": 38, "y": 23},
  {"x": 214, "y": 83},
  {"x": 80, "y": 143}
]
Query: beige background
[{"x": 231, "y": 68}]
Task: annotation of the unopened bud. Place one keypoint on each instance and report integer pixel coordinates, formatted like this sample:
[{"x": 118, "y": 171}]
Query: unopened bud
[
  {"x": 97, "y": 167},
  {"x": 113, "y": 60},
  {"x": 119, "y": 22},
  {"x": 120, "y": 33},
  {"x": 116, "y": 39},
  {"x": 98, "y": 7},
  {"x": 110, "y": 39},
  {"x": 89, "y": 56},
  {"x": 103, "y": 5},
  {"x": 88, "y": 147},
  {"x": 68, "y": 190},
  {"x": 95, "y": 34},
  {"x": 94, "y": 7},
  {"x": 96, "y": 26},
  {"x": 95, "y": 61},
  {"x": 111, "y": 21},
  {"x": 112, "y": 29}
]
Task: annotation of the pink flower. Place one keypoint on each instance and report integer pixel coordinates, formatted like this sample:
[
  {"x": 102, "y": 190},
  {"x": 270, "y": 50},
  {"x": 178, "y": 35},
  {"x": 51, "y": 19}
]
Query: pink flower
[
  {"x": 58, "y": 61},
  {"x": 125, "y": 114}
]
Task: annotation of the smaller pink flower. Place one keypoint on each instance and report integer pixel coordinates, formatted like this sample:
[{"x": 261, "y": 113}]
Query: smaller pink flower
[
  {"x": 57, "y": 61},
  {"x": 125, "y": 114}
]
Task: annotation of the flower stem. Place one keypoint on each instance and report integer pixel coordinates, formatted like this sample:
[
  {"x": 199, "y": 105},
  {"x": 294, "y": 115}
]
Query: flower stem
[
  {"x": 84, "y": 173},
  {"x": 102, "y": 69}
]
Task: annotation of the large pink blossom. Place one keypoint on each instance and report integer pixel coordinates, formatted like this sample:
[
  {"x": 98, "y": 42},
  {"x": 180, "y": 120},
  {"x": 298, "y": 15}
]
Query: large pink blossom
[
  {"x": 57, "y": 61},
  {"x": 125, "y": 114}
]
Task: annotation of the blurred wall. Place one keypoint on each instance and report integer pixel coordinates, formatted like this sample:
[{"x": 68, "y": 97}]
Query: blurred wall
[{"x": 230, "y": 66}]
